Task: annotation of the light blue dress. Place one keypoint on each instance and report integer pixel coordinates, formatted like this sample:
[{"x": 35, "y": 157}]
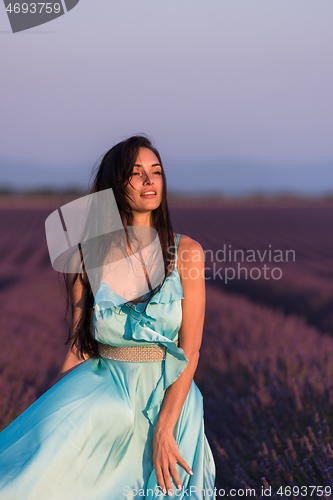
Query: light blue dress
[{"x": 90, "y": 437}]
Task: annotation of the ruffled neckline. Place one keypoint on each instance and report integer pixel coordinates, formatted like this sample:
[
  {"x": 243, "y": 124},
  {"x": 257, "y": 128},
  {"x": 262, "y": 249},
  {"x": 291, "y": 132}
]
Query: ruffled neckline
[{"x": 107, "y": 298}]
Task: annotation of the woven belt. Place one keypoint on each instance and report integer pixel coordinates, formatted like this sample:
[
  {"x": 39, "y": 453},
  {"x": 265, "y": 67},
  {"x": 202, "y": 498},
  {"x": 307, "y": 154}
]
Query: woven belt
[{"x": 132, "y": 353}]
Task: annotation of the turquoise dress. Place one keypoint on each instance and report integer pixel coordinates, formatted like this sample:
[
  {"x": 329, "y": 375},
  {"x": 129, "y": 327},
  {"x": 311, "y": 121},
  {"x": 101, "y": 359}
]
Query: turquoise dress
[{"x": 90, "y": 436}]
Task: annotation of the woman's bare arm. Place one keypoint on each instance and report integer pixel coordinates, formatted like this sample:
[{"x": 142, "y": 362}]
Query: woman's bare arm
[
  {"x": 166, "y": 453},
  {"x": 72, "y": 358}
]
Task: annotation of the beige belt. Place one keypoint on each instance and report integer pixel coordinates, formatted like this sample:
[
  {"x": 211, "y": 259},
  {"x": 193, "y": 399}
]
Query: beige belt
[{"x": 133, "y": 353}]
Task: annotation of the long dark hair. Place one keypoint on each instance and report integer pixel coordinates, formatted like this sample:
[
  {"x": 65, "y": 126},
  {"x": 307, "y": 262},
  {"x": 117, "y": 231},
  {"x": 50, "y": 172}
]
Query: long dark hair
[{"x": 114, "y": 171}]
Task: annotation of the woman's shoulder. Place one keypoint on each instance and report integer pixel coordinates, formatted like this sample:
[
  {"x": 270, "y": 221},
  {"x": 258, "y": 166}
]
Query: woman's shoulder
[{"x": 188, "y": 248}]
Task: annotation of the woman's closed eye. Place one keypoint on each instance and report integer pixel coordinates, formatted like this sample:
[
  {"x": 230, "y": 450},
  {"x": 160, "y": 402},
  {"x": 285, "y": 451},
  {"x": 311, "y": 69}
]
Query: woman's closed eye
[{"x": 138, "y": 173}]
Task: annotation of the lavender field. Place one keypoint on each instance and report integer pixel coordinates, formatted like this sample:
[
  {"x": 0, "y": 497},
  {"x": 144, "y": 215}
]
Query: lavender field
[{"x": 265, "y": 368}]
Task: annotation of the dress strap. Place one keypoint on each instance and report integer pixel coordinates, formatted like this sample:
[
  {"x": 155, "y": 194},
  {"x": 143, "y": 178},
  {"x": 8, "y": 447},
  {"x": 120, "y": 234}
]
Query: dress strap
[{"x": 176, "y": 247}]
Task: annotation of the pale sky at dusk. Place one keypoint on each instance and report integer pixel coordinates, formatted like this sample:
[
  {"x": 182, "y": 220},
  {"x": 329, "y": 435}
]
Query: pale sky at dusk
[{"x": 236, "y": 94}]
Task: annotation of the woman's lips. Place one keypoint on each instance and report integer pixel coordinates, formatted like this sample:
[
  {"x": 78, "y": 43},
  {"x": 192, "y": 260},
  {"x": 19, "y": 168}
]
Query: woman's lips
[{"x": 148, "y": 195}]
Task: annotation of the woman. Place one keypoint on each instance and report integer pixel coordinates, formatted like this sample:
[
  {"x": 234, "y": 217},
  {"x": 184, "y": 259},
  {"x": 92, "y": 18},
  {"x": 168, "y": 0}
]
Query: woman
[{"x": 124, "y": 421}]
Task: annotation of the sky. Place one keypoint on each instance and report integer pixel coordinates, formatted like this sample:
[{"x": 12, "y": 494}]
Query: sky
[{"x": 235, "y": 94}]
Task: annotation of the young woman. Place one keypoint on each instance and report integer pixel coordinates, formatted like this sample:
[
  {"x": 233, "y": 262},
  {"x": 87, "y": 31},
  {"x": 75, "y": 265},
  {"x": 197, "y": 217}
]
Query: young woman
[{"x": 125, "y": 418}]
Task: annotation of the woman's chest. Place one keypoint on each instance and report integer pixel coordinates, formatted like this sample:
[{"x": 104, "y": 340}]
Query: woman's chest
[{"x": 129, "y": 326}]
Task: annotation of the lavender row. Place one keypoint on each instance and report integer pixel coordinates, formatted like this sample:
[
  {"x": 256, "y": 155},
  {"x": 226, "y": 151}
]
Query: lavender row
[
  {"x": 267, "y": 383},
  {"x": 305, "y": 286}
]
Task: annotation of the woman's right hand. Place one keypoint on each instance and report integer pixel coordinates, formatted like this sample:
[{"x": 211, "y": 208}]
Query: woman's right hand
[{"x": 165, "y": 457}]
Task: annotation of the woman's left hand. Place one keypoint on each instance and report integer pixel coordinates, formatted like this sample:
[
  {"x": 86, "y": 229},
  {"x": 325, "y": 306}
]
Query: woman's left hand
[{"x": 165, "y": 457}]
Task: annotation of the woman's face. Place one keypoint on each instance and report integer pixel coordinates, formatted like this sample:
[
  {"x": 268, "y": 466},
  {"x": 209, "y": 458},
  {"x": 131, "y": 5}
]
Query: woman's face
[{"x": 146, "y": 183}]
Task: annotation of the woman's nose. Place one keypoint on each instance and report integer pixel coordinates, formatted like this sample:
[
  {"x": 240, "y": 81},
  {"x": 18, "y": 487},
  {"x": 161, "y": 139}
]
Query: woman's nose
[{"x": 147, "y": 179}]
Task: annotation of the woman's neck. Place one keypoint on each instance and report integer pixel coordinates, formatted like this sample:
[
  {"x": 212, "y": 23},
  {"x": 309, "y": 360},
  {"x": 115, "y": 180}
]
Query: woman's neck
[{"x": 142, "y": 219}]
